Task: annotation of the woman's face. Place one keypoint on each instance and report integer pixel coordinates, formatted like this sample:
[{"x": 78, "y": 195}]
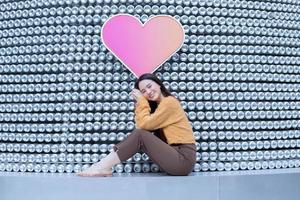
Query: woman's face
[{"x": 150, "y": 90}]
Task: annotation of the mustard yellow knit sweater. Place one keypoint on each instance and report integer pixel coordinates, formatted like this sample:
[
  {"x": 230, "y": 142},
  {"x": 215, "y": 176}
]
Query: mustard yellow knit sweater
[{"x": 169, "y": 116}]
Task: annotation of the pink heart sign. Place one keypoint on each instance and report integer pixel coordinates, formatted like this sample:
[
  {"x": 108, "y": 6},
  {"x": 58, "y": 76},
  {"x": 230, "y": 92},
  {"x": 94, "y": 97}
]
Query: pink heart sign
[{"x": 142, "y": 48}]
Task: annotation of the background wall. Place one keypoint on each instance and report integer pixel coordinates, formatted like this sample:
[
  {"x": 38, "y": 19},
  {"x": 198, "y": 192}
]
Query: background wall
[{"x": 64, "y": 98}]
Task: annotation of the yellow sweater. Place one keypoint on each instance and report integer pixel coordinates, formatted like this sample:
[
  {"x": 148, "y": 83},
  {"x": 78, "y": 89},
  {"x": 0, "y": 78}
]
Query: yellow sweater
[{"x": 169, "y": 116}]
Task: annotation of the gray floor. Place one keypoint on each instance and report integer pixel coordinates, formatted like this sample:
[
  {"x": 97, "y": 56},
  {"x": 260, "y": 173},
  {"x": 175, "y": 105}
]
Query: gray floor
[{"x": 282, "y": 184}]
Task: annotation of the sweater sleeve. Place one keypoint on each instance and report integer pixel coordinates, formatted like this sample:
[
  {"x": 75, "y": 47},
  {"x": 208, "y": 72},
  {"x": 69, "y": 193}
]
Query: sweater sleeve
[{"x": 165, "y": 114}]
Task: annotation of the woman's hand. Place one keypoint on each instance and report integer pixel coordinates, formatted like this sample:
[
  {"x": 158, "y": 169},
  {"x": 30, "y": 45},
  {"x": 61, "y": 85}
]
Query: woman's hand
[{"x": 135, "y": 94}]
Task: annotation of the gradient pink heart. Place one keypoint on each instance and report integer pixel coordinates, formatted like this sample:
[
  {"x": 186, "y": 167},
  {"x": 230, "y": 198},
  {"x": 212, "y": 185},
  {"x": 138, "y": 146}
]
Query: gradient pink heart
[{"x": 142, "y": 48}]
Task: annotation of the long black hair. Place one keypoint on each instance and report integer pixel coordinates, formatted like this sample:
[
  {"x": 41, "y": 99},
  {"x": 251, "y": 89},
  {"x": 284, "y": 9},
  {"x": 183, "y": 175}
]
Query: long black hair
[
  {"x": 152, "y": 77},
  {"x": 153, "y": 105}
]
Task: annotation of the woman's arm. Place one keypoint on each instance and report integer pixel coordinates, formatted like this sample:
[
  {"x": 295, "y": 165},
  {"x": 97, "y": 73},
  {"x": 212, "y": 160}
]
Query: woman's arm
[{"x": 165, "y": 114}]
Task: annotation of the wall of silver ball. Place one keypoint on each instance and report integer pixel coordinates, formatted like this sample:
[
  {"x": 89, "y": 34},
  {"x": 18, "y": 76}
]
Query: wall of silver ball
[{"x": 64, "y": 99}]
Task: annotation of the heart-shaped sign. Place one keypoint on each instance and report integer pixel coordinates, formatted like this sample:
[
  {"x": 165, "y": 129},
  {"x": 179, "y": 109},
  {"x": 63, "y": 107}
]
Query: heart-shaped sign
[{"x": 142, "y": 48}]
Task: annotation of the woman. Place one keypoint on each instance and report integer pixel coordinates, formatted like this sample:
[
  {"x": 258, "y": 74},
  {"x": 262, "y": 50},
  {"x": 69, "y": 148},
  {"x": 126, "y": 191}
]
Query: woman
[{"x": 156, "y": 109}]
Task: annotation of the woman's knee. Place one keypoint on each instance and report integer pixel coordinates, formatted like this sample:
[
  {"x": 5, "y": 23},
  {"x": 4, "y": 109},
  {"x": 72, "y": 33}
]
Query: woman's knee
[
  {"x": 141, "y": 135},
  {"x": 140, "y": 132}
]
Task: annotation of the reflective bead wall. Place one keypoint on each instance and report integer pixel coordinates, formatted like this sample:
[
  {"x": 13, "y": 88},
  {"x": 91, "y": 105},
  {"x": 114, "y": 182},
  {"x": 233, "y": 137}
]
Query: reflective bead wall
[{"x": 64, "y": 99}]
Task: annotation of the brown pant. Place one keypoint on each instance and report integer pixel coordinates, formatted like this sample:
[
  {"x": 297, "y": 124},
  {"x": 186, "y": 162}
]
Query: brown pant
[{"x": 174, "y": 160}]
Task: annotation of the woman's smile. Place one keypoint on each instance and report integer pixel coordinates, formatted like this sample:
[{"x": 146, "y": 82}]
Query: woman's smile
[
  {"x": 151, "y": 90},
  {"x": 151, "y": 95}
]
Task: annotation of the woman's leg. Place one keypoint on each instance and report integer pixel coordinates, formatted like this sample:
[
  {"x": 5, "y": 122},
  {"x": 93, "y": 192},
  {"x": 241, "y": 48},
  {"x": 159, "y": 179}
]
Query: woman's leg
[{"x": 167, "y": 157}]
